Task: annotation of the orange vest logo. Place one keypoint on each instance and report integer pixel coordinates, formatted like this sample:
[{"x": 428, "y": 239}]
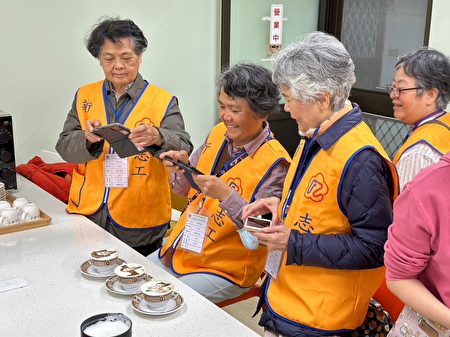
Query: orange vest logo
[
  {"x": 317, "y": 188},
  {"x": 144, "y": 120},
  {"x": 236, "y": 184}
]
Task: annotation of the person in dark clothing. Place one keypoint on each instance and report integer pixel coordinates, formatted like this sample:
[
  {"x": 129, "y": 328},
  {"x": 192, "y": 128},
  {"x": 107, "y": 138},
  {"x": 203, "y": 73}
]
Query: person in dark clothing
[{"x": 330, "y": 226}]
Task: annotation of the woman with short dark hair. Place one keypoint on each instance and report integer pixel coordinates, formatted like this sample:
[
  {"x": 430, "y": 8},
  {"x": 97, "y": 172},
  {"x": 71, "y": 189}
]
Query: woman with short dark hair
[{"x": 241, "y": 162}]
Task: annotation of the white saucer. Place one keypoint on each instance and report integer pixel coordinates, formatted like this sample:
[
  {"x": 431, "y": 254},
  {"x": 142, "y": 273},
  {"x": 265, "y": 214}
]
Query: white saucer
[
  {"x": 88, "y": 269},
  {"x": 140, "y": 305},
  {"x": 113, "y": 285}
]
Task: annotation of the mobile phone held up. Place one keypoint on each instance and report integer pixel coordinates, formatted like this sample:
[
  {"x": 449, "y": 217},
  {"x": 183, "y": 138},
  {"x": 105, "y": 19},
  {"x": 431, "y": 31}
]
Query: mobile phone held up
[
  {"x": 256, "y": 224},
  {"x": 117, "y": 136},
  {"x": 112, "y": 132},
  {"x": 189, "y": 170},
  {"x": 183, "y": 165}
]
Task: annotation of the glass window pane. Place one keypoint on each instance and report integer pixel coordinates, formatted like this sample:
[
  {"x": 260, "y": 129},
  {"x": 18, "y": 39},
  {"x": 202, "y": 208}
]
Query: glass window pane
[{"x": 377, "y": 32}]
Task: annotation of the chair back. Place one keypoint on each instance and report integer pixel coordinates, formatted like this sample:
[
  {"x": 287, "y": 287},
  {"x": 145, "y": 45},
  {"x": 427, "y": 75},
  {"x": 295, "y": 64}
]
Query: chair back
[{"x": 389, "y": 301}]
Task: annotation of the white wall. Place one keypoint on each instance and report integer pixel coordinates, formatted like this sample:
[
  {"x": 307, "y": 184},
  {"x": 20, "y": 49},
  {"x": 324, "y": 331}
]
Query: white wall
[
  {"x": 43, "y": 60},
  {"x": 250, "y": 35},
  {"x": 440, "y": 26}
]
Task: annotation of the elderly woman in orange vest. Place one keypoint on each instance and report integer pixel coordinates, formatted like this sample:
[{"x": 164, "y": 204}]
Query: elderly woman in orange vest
[
  {"x": 124, "y": 205},
  {"x": 420, "y": 92},
  {"x": 326, "y": 251},
  {"x": 241, "y": 162}
]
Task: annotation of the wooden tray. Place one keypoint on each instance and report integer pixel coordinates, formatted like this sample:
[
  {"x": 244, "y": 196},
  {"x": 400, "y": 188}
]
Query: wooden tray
[{"x": 43, "y": 221}]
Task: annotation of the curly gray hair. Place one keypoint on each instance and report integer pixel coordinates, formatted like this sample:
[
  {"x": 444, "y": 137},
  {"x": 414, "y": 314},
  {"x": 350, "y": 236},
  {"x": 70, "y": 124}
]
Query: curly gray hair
[{"x": 252, "y": 83}]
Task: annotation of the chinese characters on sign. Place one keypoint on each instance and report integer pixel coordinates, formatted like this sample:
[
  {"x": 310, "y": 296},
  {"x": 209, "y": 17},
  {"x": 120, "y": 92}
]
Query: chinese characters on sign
[{"x": 276, "y": 27}]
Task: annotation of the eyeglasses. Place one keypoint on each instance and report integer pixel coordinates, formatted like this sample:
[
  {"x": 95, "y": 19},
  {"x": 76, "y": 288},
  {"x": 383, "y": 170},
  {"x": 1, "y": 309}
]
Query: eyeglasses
[{"x": 397, "y": 91}]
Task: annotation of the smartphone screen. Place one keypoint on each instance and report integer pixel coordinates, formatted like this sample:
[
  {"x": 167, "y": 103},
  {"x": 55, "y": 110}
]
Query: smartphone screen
[{"x": 256, "y": 224}]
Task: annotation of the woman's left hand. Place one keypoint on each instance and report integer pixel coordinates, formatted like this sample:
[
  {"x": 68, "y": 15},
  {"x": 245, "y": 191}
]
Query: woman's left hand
[
  {"x": 274, "y": 237},
  {"x": 145, "y": 135},
  {"x": 212, "y": 186}
]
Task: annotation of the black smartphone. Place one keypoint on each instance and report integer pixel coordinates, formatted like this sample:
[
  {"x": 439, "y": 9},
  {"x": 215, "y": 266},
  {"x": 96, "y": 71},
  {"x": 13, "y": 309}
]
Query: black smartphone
[
  {"x": 183, "y": 165},
  {"x": 117, "y": 136},
  {"x": 189, "y": 170},
  {"x": 112, "y": 131}
]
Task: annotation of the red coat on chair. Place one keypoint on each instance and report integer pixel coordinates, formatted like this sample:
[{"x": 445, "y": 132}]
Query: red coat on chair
[{"x": 53, "y": 178}]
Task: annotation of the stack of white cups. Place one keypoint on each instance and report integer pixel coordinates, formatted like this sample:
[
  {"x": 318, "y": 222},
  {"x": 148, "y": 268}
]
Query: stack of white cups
[{"x": 20, "y": 211}]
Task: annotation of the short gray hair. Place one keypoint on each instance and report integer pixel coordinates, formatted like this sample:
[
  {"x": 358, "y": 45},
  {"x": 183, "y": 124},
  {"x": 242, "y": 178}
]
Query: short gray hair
[
  {"x": 319, "y": 64},
  {"x": 431, "y": 69}
]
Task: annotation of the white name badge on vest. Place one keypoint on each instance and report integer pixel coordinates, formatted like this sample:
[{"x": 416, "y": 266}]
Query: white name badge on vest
[
  {"x": 116, "y": 171},
  {"x": 194, "y": 232},
  {"x": 273, "y": 263}
]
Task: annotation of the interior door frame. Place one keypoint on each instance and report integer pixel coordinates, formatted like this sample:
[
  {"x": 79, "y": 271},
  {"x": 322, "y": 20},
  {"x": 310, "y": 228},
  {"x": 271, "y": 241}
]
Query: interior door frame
[{"x": 225, "y": 34}]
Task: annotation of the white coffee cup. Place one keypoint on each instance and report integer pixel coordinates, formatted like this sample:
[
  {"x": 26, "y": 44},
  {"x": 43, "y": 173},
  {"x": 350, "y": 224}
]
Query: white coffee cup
[
  {"x": 129, "y": 275},
  {"x": 157, "y": 293},
  {"x": 9, "y": 216},
  {"x": 104, "y": 260},
  {"x": 18, "y": 203},
  {"x": 4, "y": 204},
  {"x": 29, "y": 212}
]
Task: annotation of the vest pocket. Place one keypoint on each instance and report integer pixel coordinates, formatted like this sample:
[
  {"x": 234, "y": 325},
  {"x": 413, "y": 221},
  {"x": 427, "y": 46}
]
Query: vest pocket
[{"x": 78, "y": 182}]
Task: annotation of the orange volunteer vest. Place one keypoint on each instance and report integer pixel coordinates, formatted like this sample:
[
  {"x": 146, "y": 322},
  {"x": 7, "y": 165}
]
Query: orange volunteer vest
[
  {"x": 434, "y": 134},
  {"x": 323, "y": 298},
  {"x": 223, "y": 252},
  {"x": 145, "y": 202}
]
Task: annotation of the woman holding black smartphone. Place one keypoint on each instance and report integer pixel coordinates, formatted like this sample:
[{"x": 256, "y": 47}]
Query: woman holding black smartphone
[
  {"x": 116, "y": 201},
  {"x": 241, "y": 162}
]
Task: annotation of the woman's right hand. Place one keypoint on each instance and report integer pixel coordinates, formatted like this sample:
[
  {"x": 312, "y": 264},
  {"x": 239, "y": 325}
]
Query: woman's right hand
[
  {"x": 90, "y": 136},
  {"x": 178, "y": 155},
  {"x": 261, "y": 207}
]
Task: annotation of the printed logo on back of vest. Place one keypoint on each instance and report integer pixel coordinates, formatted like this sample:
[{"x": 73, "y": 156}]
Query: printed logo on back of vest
[
  {"x": 86, "y": 106},
  {"x": 236, "y": 184},
  {"x": 317, "y": 188}
]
